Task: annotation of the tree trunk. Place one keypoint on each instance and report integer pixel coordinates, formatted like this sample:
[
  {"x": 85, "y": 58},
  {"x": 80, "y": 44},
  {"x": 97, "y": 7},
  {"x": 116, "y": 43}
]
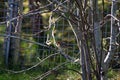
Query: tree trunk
[
  {"x": 13, "y": 28},
  {"x": 112, "y": 46}
]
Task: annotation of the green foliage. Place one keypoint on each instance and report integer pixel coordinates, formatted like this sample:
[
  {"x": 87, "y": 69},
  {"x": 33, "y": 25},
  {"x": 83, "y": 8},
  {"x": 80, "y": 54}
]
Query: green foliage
[
  {"x": 111, "y": 74},
  {"x": 62, "y": 74},
  {"x": 9, "y": 76},
  {"x": 2, "y": 29},
  {"x": 28, "y": 49},
  {"x": 69, "y": 75}
]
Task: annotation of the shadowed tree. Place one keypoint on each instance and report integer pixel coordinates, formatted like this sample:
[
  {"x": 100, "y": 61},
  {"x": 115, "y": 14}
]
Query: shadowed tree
[{"x": 13, "y": 28}]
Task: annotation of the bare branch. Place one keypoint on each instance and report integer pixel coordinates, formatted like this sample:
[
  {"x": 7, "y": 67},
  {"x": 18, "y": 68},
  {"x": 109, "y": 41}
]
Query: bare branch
[
  {"x": 32, "y": 66},
  {"x": 50, "y": 71}
]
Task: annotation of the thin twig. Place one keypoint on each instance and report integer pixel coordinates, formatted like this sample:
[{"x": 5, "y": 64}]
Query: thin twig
[
  {"x": 41, "y": 44},
  {"x": 32, "y": 66},
  {"x": 50, "y": 71}
]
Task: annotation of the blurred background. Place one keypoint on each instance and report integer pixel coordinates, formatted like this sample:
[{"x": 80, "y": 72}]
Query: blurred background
[{"x": 25, "y": 41}]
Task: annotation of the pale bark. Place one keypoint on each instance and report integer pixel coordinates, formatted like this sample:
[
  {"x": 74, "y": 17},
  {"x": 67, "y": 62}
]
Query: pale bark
[{"x": 112, "y": 45}]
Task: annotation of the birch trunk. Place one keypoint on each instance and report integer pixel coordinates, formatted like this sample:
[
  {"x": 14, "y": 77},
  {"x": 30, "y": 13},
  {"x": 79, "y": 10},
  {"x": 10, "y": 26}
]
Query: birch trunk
[{"x": 112, "y": 45}]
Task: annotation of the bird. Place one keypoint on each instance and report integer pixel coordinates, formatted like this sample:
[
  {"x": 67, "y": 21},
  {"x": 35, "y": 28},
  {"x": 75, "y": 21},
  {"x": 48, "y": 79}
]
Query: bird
[{"x": 64, "y": 44}]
